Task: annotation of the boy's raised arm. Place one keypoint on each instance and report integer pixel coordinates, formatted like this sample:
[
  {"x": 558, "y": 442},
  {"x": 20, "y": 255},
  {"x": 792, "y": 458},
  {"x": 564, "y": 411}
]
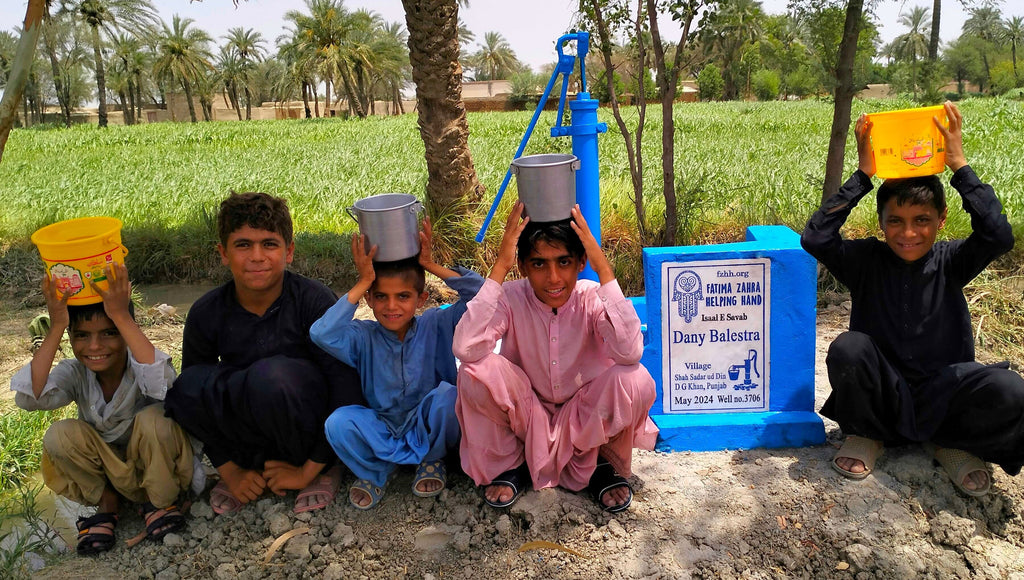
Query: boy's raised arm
[
  {"x": 426, "y": 257},
  {"x": 506, "y": 259},
  {"x": 955, "y": 158},
  {"x": 116, "y": 299},
  {"x": 364, "y": 267},
  {"x": 42, "y": 360},
  {"x": 595, "y": 255}
]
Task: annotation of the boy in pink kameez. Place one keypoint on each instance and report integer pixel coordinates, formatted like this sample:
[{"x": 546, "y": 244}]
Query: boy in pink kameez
[{"x": 566, "y": 400}]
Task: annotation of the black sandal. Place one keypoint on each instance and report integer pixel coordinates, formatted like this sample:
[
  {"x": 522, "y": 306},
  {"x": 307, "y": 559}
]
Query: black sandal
[
  {"x": 604, "y": 480},
  {"x": 517, "y": 478},
  {"x": 161, "y": 521},
  {"x": 93, "y": 542}
]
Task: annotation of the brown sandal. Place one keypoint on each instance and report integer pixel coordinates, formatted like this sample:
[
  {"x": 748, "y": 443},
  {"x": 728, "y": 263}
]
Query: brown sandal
[{"x": 865, "y": 450}]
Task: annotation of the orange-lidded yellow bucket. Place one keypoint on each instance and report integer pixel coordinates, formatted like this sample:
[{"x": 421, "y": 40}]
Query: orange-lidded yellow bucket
[
  {"x": 906, "y": 143},
  {"x": 75, "y": 252}
]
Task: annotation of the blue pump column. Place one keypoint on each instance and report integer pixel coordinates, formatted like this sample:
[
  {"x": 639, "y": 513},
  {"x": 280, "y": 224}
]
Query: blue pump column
[{"x": 584, "y": 129}]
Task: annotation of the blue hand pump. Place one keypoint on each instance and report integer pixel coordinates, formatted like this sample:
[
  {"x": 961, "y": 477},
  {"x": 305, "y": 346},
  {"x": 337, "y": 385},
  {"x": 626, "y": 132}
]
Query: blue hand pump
[{"x": 583, "y": 130}]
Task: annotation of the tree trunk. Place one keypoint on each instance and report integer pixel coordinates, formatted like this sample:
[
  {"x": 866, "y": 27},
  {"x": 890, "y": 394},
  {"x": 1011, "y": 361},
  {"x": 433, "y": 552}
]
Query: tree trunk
[
  {"x": 434, "y": 54},
  {"x": 354, "y": 102},
  {"x": 123, "y": 100},
  {"x": 844, "y": 92},
  {"x": 188, "y": 98},
  {"x": 101, "y": 77},
  {"x": 248, "y": 103},
  {"x": 305, "y": 99},
  {"x": 933, "y": 40},
  {"x": 668, "y": 80},
  {"x": 58, "y": 83},
  {"x": 634, "y": 156},
  {"x": 20, "y": 67}
]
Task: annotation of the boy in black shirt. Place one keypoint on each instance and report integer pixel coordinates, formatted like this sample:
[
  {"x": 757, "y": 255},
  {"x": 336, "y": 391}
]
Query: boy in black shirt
[
  {"x": 905, "y": 371},
  {"x": 253, "y": 387}
]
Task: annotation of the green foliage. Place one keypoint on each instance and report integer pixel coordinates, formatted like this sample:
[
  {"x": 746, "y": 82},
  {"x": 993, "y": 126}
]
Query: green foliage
[
  {"x": 710, "y": 83},
  {"x": 801, "y": 83},
  {"x": 1004, "y": 79},
  {"x": 23, "y": 529},
  {"x": 164, "y": 180},
  {"x": 21, "y": 441},
  {"x": 765, "y": 84},
  {"x": 599, "y": 88}
]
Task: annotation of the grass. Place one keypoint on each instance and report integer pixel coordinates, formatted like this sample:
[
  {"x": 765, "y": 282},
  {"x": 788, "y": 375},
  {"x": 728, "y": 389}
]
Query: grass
[{"x": 755, "y": 163}]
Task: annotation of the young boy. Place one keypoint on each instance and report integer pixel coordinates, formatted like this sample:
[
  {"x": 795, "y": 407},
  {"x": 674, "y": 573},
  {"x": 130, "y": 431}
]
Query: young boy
[
  {"x": 905, "y": 371},
  {"x": 566, "y": 400},
  {"x": 407, "y": 370},
  {"x": 254, "y": 388},
  {"x": 121, "y": 444}
]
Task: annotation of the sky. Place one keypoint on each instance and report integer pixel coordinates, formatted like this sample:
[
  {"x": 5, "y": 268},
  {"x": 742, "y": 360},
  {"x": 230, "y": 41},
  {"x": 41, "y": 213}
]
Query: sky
[{"x": 530, "y": 26}]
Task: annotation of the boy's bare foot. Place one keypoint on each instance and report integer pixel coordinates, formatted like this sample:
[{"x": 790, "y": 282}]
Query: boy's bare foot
[
  {"x": 615, "y": 496},
  {"x": 850, "y": 464},
  {"x": 320, "y": 492},
  {"x": 429, "y": 485},
  {"x": 359, "y": 497},
  {"x": 244, "y": 484},
  {"x": 364, "y": 495}
]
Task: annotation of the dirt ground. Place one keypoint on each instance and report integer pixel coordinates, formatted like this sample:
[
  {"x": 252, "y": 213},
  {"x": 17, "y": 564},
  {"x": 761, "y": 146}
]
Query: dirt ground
[{"x": 763, "y": 513}]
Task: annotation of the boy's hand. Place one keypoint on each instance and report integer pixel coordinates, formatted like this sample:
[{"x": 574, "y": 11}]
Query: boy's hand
[
  {"x": 598, "y": 261},
  {"x": 507, "y": 251},
  {"x": 865, "y": 157},
  {"x": 118, "y": 294},
  {"x": 953, "y": 136},
  {"x": 364, "y": 259},
  {"x": 426, "y": 242},
  {"x": 56, "y": 305}
]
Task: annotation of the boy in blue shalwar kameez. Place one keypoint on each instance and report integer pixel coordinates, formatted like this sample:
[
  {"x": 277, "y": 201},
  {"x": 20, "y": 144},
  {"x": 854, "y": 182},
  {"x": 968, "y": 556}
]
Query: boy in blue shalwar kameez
[{"x": 406, "y": 367}]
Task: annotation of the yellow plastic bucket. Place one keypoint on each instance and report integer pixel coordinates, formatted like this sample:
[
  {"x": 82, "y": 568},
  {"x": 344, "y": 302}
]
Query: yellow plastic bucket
[
  {"x": 75, "y": 252},
  {"x": 906, "y": 143}
]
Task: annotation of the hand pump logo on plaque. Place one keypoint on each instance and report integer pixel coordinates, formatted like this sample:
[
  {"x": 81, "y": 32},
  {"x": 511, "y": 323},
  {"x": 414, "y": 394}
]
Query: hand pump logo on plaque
[{"x": 715, "y": 327}]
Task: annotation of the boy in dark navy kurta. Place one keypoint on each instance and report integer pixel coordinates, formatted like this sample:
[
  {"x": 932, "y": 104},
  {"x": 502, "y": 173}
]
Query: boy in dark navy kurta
[
  {"x": 254, "y": 388},
  {"x": 905, "y": 371}
]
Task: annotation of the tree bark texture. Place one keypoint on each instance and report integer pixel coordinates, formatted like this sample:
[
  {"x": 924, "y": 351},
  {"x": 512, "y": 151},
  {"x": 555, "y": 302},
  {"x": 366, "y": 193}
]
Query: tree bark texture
[
  {"x": 434, "y": 54},
  {"x": 101, "y": 77},
  {"x": 844, "y": 93},
  {"x": 933, "y": 40},
  {"x": 20, "y": 69}
]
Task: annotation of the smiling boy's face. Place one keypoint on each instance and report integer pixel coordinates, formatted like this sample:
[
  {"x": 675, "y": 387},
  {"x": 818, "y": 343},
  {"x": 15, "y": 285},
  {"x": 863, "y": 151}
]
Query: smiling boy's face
[
  {"x": 257, "y": 259},
  {"x": 97, "y": 344},
  {"x": 552, "y": 272},
  {"x": 394, "y": 301},
  {"x": 910, "y": 230}
]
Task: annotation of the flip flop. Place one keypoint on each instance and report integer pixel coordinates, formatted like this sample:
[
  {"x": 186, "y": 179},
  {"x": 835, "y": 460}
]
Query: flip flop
[
  {"x": 605, "y": 479},
  {"x": 325, "y": 484},
  {"x": 227, "y": 504},
  {"x": 517, "y": 478},
  {"x": 958, "y": 464},
  {"x": 862, "y": 449},
  {"x": 365, "y": 485},
  {"x": 430, "y": 470}
]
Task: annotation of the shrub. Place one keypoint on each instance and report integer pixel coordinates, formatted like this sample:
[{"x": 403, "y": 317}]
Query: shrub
[
  {"x": 765, "y": 83},
  {"x": 710, "y": 83}
]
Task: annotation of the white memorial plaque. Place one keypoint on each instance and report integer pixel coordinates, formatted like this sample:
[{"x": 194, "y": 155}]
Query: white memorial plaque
[{"x": 715, "y": 321}]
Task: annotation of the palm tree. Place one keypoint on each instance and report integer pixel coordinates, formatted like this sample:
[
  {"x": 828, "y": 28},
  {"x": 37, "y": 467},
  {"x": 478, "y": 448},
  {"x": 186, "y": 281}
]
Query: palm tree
[
  {"x": 247, "y": 45},
  {"x": 495, "y": 59},
  {"x": 986, "y": 24},
  {"x": 322, "y": 32},
  {"x": 735, "y": 26},
  {"x": 183, "y": 56},
  {"x": 300, "y": 69},
  {"x": 111, "y": 16},
  {"x": 130, "y": 62},
  {"x": 913, "y": 44},
  {"x": 1013, "y": 34},
  {"x": 231, "y": 75},
  {"x": 434, "y": 53}
]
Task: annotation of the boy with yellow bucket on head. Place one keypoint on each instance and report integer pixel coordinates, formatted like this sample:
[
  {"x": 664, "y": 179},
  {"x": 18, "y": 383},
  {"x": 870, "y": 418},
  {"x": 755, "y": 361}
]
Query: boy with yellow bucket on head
[
  {"x": 905, "y": 371},
  {"x": 121, "y": 445}
]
